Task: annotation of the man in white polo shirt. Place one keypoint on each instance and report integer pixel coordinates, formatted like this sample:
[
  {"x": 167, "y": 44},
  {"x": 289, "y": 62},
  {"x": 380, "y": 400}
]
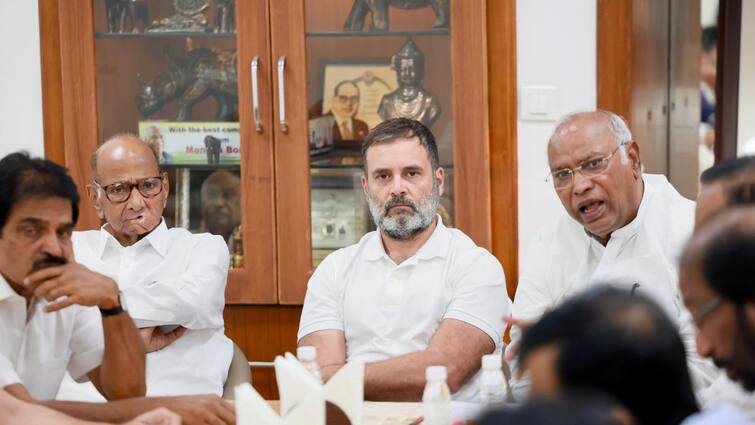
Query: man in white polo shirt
[{"x": 412, "y": 294}]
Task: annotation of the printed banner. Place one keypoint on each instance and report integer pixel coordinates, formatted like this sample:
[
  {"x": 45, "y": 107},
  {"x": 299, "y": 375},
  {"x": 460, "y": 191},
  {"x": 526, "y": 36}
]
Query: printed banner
[{"x": 193, "y": 143}]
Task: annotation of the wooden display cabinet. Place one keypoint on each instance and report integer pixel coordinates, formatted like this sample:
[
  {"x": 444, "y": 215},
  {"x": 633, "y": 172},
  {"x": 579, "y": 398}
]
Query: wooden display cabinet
[{"x": 90, "y": 82}]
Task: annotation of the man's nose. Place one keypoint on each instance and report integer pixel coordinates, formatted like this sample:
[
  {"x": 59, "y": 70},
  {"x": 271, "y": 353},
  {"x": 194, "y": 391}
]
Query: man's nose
[
  {"x": 580, "y": 183},
  {"x": 52, "y": 245},
  {"x": 704, "y": 348},
  {"x": 136, "y": 200},
  {"x": 398, "y": 186}
]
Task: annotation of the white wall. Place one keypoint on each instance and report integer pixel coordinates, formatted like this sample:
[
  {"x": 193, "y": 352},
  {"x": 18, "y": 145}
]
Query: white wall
[
  {"x": 20, "y": 78},
  {"x": 556, "y": 46},
  {"x": 745, "y": 121}
]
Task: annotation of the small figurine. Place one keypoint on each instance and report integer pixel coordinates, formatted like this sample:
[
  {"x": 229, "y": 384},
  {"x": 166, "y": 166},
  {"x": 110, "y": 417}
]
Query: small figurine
[
  {"x": 237, "y": 249},
  {"x": 201, "y": 72},
  {"x": 116, "y": 13},
  {"x": 188, "y": 17},
  {"x": 225, "y": 16},
  {"x": 410, "y": 100},
  {"x": 212, "y": 145},
  {"x": 379, "y": 10}
]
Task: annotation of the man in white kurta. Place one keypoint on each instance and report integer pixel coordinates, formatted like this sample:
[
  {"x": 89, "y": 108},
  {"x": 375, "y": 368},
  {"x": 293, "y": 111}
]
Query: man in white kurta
[
  {"x": 620, "y": 227},
  {"x": 413, "y": 293},
  {"x": 168, "y": 277},
  {"x": 171, "y": 277}
]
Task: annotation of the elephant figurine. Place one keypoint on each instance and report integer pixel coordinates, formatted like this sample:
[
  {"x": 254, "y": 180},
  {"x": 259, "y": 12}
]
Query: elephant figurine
[{"x": 379, "y": 10}]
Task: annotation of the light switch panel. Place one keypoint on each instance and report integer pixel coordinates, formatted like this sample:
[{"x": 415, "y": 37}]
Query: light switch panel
[{"x": 538, "y": 103}]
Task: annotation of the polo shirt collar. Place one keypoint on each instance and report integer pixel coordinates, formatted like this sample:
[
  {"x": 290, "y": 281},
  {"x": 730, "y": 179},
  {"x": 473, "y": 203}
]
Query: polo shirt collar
[
  {"x": 157, "y": 238},
  {"x": 435, "y": 246}
]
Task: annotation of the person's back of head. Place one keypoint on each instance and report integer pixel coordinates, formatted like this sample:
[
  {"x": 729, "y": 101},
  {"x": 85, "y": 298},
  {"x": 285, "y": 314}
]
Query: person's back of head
[
  {"x": 728, "y": 183},
  {"x": 609, "y": 340},
  {"x": 728, "y": 170},
  {"x": 573, "y": 409}
]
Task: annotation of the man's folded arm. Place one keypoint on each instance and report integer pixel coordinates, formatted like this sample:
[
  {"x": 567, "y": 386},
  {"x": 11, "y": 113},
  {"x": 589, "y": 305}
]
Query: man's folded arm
[
  {"x": 456, "y": 345},
  {"x": 194, "y": 299}
]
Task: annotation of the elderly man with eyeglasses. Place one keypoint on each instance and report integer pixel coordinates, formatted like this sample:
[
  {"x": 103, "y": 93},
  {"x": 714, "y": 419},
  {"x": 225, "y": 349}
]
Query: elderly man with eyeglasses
[
  {"x": 622, "y": 226},
  {"x": 173, "y": 281}
]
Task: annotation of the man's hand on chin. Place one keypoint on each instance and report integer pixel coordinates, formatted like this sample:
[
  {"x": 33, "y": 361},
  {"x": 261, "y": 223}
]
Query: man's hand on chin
[
  {"x": 73, "y": 283},
  {"x": 155, "y": 339}
]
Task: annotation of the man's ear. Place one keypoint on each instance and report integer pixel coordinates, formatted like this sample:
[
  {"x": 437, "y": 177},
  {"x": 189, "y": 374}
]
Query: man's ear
[
  {"x": 440, "y": 177},
  {"x": 633, "y": 151},
  {"x": 363, "y": 179},
  {"x": 95, "y": 198}
]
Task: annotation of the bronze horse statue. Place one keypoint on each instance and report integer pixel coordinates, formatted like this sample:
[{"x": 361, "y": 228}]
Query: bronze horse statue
[
  {"x": 190, "y": 79},
  {"x": 379, "y": 10}
]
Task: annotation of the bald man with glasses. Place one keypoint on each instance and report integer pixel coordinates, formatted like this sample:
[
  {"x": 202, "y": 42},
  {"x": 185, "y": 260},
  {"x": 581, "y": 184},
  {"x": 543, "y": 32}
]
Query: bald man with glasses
[
  {"x": 621, "y": 226},
  {"x": 173, "y": 281}
]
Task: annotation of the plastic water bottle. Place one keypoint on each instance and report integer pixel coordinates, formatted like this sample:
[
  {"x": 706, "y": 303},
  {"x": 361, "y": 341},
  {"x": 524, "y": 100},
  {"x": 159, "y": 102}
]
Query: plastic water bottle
[
  {"x": 307, "y": 355},
  {"x": 492, "y": 385},
  {"x": 436, "y": 400}
]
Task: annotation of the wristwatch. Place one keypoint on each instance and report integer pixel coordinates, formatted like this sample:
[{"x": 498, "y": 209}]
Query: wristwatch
[{"x": 120, "y": 308}]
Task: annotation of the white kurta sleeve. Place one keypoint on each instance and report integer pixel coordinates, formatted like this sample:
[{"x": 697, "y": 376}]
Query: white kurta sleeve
[
  {"x": 8, "y": 375},
  {"x": 193, "y": 299},
  {"x": 87, "y": 342},
  {"x": 533, "y": 298},
  {"x": 323, "y": 307},
  {"x": 480, "y": 298}
]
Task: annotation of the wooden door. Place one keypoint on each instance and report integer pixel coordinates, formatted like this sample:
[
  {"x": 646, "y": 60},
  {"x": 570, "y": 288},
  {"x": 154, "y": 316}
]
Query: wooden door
[{"x": 95, "y": 76}]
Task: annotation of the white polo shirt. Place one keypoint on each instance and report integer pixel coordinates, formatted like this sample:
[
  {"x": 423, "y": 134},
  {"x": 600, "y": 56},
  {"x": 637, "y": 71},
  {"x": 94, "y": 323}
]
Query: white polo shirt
[
  {"x": 169, "y": 277},
  {"x": 387, "y": 310},
  {"x": 37, "y": 347}
]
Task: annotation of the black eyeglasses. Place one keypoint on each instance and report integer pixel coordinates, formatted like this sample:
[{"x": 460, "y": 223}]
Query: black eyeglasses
[
  {"x": 120, "y": 191},
  {"x": 592, "y": 167}
]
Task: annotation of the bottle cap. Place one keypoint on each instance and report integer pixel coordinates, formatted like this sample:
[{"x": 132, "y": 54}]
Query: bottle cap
[
  {"x": 435, "y": 373},
  {"x": 306, "y": 353},
  {"x": 491, "y": 361}
]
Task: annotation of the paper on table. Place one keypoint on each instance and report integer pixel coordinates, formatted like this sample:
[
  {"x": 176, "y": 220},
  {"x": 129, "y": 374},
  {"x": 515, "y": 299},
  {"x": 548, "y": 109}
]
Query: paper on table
[
  {"x": 295, "y": 383},
  {"x": 252, "y": 409},
  {"x": 345, "y": 389}
]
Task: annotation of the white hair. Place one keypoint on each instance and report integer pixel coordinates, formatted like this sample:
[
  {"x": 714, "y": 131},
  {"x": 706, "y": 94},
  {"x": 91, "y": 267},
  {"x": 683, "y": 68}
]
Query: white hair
[{"x": 617, "y": 125}]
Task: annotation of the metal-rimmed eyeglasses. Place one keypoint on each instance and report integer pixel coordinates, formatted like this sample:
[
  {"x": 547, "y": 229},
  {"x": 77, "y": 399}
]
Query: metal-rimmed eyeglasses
[
  {"x": 118, "y": 192},
  {"x": 589, "y": 168}
]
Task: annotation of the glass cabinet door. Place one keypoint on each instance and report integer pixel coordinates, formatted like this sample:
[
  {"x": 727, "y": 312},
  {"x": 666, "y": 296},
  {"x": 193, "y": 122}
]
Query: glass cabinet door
[
  {"x": 178, "y": 74},
  {"x": 360, "y": 65}
]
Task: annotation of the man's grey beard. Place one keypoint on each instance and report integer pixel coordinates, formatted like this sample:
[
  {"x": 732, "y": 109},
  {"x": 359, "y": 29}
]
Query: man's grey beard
[{"x": 404, "y": 226}]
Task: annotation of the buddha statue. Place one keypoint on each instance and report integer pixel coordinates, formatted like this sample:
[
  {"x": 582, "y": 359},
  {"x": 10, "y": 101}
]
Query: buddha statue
[{"x": 409, "y": 100}]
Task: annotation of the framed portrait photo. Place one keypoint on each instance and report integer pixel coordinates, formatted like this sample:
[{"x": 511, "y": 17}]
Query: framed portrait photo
[{"x": 354, "y": 89}]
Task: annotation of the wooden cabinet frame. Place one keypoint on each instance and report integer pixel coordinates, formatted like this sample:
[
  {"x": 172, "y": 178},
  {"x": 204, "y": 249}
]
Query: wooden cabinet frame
[{"x": 275, "y": 170}]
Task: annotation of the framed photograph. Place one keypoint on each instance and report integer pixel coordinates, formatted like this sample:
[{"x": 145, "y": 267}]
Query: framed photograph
[{"x": 354, "y": 89}]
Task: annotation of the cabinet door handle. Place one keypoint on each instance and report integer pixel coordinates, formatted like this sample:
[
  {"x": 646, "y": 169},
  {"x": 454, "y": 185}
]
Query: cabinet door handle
[
  {"x": 255, "y": 95},
  {"x": 282, "y": 94}
]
